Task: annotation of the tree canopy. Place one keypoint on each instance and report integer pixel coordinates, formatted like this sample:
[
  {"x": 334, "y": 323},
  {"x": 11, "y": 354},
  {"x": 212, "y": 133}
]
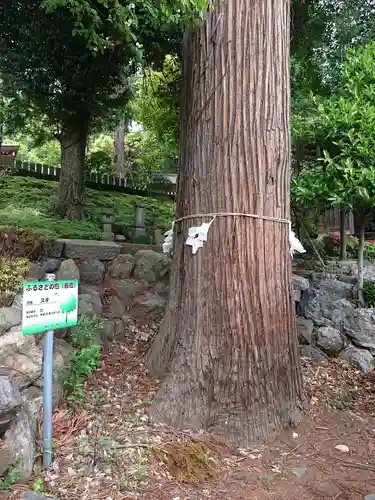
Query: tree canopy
[{"x": 72, "y": 61}]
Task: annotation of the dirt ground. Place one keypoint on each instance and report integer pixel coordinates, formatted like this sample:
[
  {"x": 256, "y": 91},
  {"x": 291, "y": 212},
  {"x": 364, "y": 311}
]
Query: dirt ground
[{"x": 110, "y": 451}]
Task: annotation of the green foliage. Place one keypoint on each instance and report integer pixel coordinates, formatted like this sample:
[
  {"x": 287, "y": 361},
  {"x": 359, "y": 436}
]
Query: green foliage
[
  {"x": 36, "y": 149},
  {"x": 322, "y": 33},
  {"x": 73, "y": 62},
  {"x": 73, "y": 59},
  {"x": 370, "y": 252},
  {"x": 27, "y": 203},
  {"x": 38, "y": 485},
  {"x": 156, "y": 108},
  {"x": 142, "y": 158},
  {"x": 86, "y": 360},
  {"x": 85, "y": 332},
  {"x": 100, "y": 155},
  {"x": 369, "y": 292},
  {"x": 12, "y": 276},
  {"x": 12, "y": 476},
  {"x": 143, "y": 240},
  {"x": 100, "y": 162},
  {"x": 154, "y": 147},
  {"x": 352, "y": 246},
  {"x": 346, "y": 176},
  {"x": 135, "y": 21}
]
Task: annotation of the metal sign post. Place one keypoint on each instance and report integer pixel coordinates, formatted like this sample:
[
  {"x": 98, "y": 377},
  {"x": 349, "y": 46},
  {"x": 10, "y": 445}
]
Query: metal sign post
[
  {"x": 47, "y": 393},
  {"x": 47, "y": 306}
]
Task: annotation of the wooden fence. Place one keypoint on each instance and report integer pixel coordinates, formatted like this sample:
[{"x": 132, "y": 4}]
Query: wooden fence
[
  {"x": 94, "y": 181},
  {"x": 332, "y": 221}
]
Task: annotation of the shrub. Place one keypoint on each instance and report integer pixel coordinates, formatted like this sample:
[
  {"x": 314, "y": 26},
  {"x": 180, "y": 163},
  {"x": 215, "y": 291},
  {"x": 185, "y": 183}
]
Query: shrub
[
  {"x": 143, "y": 239},
  {"x": 369, "y": 292},
  {"x": 12, "y": 476},
  {"x": 86, "y": 331},
  {"x": 333, "y": 245},
  {"x": 86, "y": 360},
  {"x": 370, "y": 251},
  {"x": 352, "y": 247},
  {"x": 100, "y": 162},
  {"x": 22, "y": 243},
  {"x": 335, "y": 239},
  {"x": 12, "y": 276}
]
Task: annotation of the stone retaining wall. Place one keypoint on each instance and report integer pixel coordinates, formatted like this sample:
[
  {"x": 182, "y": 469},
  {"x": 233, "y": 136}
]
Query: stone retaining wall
[{"x": 329, "y": 321}]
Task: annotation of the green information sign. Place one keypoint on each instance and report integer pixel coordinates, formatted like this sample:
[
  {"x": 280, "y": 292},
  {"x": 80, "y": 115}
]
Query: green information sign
[{"x": 49, "y": 305}]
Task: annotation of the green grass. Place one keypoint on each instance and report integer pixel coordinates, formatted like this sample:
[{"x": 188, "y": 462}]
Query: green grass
[{"x": 27, "y": 203}]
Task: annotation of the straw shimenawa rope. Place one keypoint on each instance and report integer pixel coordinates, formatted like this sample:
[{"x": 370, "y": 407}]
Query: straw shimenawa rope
[{"x": 235, "y": 214}]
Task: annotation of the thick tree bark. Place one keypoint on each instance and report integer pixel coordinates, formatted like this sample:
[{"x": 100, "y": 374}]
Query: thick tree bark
[
  {"x": 228, "y": 348},
  {"x": 73, "y": 142}
]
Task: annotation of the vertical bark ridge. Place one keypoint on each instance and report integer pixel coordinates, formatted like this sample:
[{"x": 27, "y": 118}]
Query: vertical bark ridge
[{"x": 234, "y": 366}]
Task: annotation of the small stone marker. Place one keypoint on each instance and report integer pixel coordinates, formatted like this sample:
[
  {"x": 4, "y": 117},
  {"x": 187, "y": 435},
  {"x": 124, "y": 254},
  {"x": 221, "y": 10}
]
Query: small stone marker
[
  {"x": 140, "y": 227},
  {"x": 107, "y": 227},
  {"x": 120, "y": 238}
]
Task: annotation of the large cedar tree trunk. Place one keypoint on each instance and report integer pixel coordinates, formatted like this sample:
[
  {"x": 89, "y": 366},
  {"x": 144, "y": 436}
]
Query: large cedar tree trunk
[
  {"x": 227, "y": 351},
  {"x": 73, "y": 142}
]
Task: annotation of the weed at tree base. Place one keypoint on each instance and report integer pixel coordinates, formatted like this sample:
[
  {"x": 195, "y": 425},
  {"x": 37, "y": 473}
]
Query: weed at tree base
[
  {"x": 369, "y": 292},
  {"x": 86, "y": 360},
  {"x": 10, "y": 478}
]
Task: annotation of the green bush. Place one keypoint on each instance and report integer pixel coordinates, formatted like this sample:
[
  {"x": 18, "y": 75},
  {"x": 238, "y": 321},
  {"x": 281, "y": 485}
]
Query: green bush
[
  {"x": 12, "y": 276},
  {"x": 352, "y": 247},
  {"x": 12, "y": 476},
  {"x": 85, "y": 337},
  {"x": 144, "y": 239},
  {"x": 100, "y": 162},
  {"x": 369, "y": 292},
  {"x": 86, "y": 332},
  {"x": 370, "y": 252}
]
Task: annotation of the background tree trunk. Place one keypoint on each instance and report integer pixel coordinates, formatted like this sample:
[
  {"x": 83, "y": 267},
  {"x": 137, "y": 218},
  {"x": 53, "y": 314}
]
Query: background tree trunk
[
  {"x": 120, "y": 148},
  {"x": 343, "y": 237},
  {"x": 73, "y": 164},
  {"x": 361, "y": 252},
  {"x": 228, "y": 348}
]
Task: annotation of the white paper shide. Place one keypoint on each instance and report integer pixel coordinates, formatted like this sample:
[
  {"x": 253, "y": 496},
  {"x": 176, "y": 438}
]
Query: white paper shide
[
  {"x": 295, "y": 244},
  {"x": 197, "y": 236},
  {"x": 168, "y": 241}
]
